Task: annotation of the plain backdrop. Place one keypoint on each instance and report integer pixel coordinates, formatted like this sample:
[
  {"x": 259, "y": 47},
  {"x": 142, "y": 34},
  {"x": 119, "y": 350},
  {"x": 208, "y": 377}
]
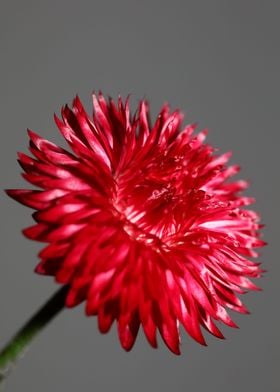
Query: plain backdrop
[{"x": 216, "y": 60}]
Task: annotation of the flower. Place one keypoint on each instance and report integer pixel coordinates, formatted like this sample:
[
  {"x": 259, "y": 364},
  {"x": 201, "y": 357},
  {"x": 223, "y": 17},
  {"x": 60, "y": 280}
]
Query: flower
[{"x": 141, "y": 221}]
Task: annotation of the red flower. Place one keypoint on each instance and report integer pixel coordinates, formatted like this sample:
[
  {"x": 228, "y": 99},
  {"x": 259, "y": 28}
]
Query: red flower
[{"x": 141, "y": 222}]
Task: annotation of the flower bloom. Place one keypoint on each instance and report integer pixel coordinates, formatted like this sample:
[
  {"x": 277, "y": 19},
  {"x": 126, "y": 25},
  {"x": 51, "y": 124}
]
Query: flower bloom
[{"x": 141, "y": 221}]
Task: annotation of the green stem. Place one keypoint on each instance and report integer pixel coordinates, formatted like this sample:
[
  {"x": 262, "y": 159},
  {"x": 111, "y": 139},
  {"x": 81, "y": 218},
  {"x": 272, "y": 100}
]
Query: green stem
[{"x": 17, "y": 345}]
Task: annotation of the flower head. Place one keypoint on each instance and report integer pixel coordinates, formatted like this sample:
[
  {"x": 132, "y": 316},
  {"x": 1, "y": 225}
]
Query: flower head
[{"x": 141, "y": 221}]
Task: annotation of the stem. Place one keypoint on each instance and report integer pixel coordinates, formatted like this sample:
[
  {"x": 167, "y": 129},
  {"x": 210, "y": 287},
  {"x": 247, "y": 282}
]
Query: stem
[{"x": 19, "y": 343}]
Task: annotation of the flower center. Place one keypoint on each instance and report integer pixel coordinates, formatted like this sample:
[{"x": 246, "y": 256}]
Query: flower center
[{"x": 146, "y": 212}]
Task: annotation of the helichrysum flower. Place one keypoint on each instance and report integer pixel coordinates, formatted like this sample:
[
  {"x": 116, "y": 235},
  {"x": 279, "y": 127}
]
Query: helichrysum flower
[{"x": 142, "y": 221}]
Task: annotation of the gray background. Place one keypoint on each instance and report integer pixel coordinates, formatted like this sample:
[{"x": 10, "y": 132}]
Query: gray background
[{"x": 219, "y": 62}]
